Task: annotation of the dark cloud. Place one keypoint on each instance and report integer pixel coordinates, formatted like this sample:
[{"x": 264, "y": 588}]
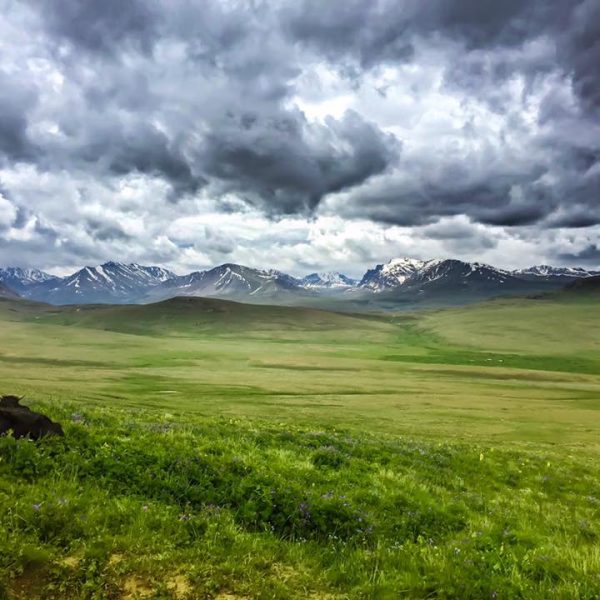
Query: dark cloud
[
  {"x": 581, "y": 47},
  {"x": 147, "y": 150},
  {"x": 365, "y": 31},
  {"x": 101, "y": 27},
  {"x": 16, "y": 99},
  {"x": 589, "y": 255},
  {"x": 104, "y": 231},
  {"x": 286, "y": 164},
  {"x": 385, "y": 30},
  {"x": 494, "y": 195}
]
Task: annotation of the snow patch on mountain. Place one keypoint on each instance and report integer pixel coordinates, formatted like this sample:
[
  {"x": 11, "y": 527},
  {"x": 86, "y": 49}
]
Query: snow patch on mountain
[
  {"x": 228, "y": 280},
  {"x": 549, "y": 271},
  {"x": 23, "y": 277},
  {"x": 391, "y": 274},
  {"x": 331, "y": 279},
  {"x": 406, "y": 272},
  {"x": 109, "y": 282}
]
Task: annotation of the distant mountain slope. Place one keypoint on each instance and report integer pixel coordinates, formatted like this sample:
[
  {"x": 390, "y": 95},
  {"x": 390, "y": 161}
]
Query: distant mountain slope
[
  {"x": 406, "y": 274},
  {"x": 111, "y": 282},
  {"x": 461, "y": 274},
  {"x": 392, "y": 274},
  {"x": 587, "y": 286},
  {"x": 7, "y": 293},
  {"x": 229, "y": 281},
  {"x": 550, "y": 273},
  {"x": 20, "y": 279},
  {"x": 452, "y": 282}
]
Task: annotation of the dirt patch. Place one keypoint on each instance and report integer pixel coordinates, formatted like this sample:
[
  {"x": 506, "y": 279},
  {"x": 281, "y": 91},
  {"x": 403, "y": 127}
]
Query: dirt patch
[
  {"x": 115, "y": 559},
  {"x": 30, "y": 585},
  {"x": 179, "y": 586},
  {"x": 283, "y": 572},
  {"x": 135, "y": 588},
  {"x": 71, "y": 562}
]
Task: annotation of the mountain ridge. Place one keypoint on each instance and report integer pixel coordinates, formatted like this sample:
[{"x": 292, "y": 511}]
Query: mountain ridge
[
  {"x": 110, "y": 282},
  {"x": 19, "y": 279},
  {"x": 399, "y": 281}
]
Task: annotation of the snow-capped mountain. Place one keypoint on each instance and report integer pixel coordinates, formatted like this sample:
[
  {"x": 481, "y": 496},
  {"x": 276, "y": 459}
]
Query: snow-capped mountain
[
  {"x": 459, "y": 272},
  {"x": 327, "y": 280},
  {"x": 110, "y": 282},
  {"x": 553, "y": 273},
  {"x": 391, "y": 274},
  {"x": 442, "y": 282},
  {"x": 19, "y": 279},
  {"x": 228, "y": 280},
  {"x": 408, "y": 272}
]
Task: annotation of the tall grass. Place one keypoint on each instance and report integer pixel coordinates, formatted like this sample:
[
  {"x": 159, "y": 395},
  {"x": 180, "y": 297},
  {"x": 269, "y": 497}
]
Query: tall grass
[{"x": 147, "y": 504}]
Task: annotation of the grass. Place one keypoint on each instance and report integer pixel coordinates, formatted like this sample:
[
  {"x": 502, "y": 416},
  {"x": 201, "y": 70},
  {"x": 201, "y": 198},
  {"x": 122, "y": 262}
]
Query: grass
[{"x": 216, "y": 450}]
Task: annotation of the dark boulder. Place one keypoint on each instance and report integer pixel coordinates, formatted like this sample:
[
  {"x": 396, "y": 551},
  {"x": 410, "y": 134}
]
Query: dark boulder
[{"x": 23, "y": 422}]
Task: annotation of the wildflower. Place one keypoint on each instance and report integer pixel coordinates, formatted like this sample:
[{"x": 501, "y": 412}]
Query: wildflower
[
  {"x": 37, "y": 507},
  {"x": 304, "y": 511},
  {"x": 145, "y": 508}
]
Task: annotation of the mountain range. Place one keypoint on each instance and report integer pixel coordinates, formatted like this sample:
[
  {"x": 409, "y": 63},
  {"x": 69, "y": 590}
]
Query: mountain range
[{"x": 398, "y": 283}]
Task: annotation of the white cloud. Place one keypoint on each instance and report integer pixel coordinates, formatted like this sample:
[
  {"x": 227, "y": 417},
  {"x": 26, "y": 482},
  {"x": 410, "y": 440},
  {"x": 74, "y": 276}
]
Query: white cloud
[{"x": 8, "y": 213}]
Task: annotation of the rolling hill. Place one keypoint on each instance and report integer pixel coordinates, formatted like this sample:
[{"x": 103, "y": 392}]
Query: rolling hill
[{"x": 189, "y": 316}]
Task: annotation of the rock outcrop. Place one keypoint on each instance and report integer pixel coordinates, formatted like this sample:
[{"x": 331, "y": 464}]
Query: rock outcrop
[{"x": 24, "y": 422}]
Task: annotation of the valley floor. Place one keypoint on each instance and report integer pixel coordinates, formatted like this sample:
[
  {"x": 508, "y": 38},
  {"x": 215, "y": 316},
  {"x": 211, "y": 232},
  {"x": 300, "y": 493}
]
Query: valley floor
[{"x": 218, "y": 450}]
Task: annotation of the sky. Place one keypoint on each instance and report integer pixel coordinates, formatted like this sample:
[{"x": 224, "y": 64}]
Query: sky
[{"x": 303, "y": 135}]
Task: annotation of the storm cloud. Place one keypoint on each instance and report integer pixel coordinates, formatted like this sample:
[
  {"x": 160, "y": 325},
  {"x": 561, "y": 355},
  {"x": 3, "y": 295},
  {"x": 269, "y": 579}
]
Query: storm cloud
[{"x": 119, "y": 120}]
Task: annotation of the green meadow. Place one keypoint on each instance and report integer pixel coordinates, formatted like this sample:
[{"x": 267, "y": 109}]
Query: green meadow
[{"x": 231, "y": 451}]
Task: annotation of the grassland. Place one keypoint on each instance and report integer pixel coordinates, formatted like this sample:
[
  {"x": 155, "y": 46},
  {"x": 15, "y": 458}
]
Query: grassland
[{"x": 217, "y": 450}]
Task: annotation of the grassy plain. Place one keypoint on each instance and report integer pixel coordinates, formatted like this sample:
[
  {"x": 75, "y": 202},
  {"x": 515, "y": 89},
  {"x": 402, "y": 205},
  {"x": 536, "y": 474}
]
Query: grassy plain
[{"x": 218, "y": 450}]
